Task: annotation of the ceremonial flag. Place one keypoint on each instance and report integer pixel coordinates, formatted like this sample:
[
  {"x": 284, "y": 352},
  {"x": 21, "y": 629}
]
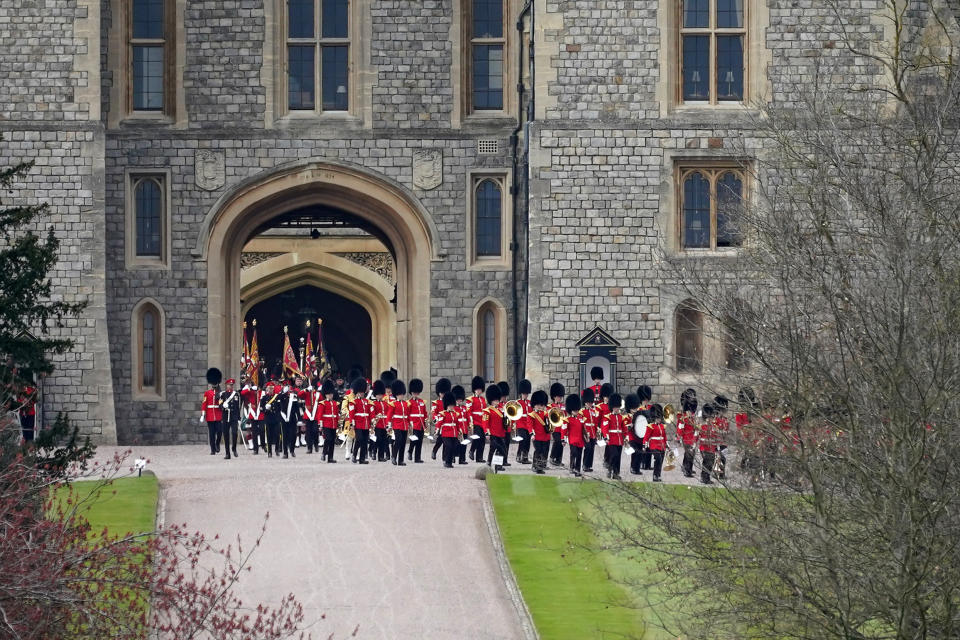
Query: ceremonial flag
[
  {"x": 253, "y": 369},
  {"x": 322, "y": 350},
  {"x": 289, "y": 356},
  {"x": 311, "y": 357},
  {"x": 245, "y": 359}
]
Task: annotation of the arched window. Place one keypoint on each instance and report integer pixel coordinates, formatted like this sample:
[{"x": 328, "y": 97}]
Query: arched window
[
  {"x": 696, "y": 212},
  {"x": 488, "y": 208},
  {"x": 729, "y": 201},
  {"x": 711, "y": 207},
  {"x": 490, "y": 340},
  {"x": 688, "y": 323},
  {"x": 148, "y": 364},
  {"x": 148, "y": 205}
]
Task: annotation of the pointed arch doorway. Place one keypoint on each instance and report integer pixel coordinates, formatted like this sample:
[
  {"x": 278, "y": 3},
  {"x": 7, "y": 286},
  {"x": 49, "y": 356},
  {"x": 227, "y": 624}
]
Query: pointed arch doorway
[{"x": 335, "y": 193}]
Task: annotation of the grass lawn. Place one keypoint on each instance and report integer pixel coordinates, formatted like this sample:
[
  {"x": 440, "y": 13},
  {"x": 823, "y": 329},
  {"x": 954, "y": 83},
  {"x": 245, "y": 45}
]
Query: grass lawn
[
  {"x": 128, "y": 505},
  {"x": 567, "y": 586}
]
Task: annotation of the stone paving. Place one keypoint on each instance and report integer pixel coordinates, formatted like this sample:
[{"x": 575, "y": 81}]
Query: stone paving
[{"x": 389, "y": 552}]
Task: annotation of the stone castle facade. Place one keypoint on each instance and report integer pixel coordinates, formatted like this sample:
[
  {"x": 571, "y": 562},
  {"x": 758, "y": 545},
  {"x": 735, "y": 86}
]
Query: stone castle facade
[{"x": 588, "y": 145}]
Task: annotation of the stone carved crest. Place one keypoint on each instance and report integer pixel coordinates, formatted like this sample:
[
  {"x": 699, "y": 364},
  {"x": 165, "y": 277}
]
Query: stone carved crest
[
  {"x": 427, "y": 168},
  {"x": 209, "y": 168}
]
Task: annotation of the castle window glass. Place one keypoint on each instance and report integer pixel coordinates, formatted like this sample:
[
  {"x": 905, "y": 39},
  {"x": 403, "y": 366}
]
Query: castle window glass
[
  {"x": 712, "y": 44},
  {"x": 318, "y": 46},
  {"x": 489, "y": 340},
  {"x": 688, "y": 323},
  {"x": 487, "y": 43},
  {"x": 148, "y": 202},
  {"x": 489, "y": 345},
  {"x": 148, "y": 45},
  {"x": 147, "y": 324},
  {"x": 148, "y": 349},
  {"x": 711, "y": 201},
  {"x": 489, "y": 209}
]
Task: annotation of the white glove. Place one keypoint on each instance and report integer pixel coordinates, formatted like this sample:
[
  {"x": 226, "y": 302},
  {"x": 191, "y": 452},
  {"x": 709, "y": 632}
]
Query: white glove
[{"x": 201, "y": 421}]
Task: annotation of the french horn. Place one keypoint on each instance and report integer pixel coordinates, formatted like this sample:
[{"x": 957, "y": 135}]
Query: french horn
[{"x": 513, "y": 411}]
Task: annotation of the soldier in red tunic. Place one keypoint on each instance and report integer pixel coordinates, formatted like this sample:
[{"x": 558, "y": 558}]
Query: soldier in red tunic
[
  {"x": 590, "y": 417},
  {"x": 398, "y": 416},
  {"x": 27, "y": 409},
  {"x": 656, "y": 439},
  {"x": 596, "y": 376},
  {"x": 523, "y": 426},
  {"x": 380, "y": 406},
  {"x": 251, "y": 405},
  {"x": 442, "y": 388},
  {"x": 645, "y": 393},
  {"x": 557, "y": 394},
  {"x": 687, "y": 433},
  {"x": 603, "y": 410},
  {"x": 614, "y": 427},
  {"x": 418, "y": 421},
  {"x": 463, "y": 420},
  {"x": 447, "y": 423},
  {"x": 312, "y": 400},
  {"x": 361, "y": 417},
  {"x": 477, "y": 404},
  {"x": 720, "y": 404},
  {"x": 541, "y": 433},
  {"x": 575, "y": 431},
  {"x": 328, "y": 415},
  {"x": 212, "y": 414},
  {"x": 493, "y": 425},
  {"x": 708, "y": 444}
]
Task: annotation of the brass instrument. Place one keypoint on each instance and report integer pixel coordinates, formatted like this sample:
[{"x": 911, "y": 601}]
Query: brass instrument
[
  {"x": 670, "y": 462},
  {"x": 669, "y": 414},
  {"x": 555, "y": 419},
  {"x": 513, "y": 411}
]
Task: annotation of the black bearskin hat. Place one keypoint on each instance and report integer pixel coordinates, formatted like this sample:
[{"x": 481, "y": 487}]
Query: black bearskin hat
[
  {"x": 327, "y": 387},
  {"x": 656, "y": 413},
  {"x": 615, "y": 401},
  {"x": 477, "y": 384},
  {"x": 504, "y": 389},
  {"x": 379, "y": 388},
  {"x": 596, "y": 373},
  {"x": 443, "y": 386},
  {"x": 493, "y": 393},
  {"x": 397, "y": 388},
  {"x": 416, "y": 385},
  {"x": 708, "y": 410},
  {"x": 721, "y": 402},
  {"x": 631, "y": 402},
  {"x": 606, "y": 390},
  {"x": 588, "y": 396},
  {"x": 387, "y": 377},
  {"x": 572, "y": 403},
  {"x": 524, "y": 386},
  {"x": 359, "y": 385},
  {"x": 539, "y": 398},
  {"x": 449, "y": 400},
  {"x": 557, "y": 390},
  {"x": 459, "y": 393},
  {"x": 645, "y": 393},
  {"x": 214, "y": 376}
]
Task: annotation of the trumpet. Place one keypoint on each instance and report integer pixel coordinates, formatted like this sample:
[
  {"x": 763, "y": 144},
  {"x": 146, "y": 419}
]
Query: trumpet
[
  {"x": 513, "y": 411},
  {"x": 555, "y": 418},
  {"x": 669, "y": 414}
]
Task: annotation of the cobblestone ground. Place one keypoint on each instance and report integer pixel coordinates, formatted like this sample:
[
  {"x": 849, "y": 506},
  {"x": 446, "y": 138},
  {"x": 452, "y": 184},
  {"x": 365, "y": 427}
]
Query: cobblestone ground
[{"x": 390, "y": 552}]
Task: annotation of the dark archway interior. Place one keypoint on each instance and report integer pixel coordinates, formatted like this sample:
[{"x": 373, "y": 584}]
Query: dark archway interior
[{"x": 347, "y": 328}]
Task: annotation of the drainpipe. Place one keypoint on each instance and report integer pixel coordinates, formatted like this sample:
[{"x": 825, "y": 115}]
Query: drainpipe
[{"x": 519, "y": 365}]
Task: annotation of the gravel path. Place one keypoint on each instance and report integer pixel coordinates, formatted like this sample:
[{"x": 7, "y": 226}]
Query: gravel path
[{"x": 391, "y": 552}]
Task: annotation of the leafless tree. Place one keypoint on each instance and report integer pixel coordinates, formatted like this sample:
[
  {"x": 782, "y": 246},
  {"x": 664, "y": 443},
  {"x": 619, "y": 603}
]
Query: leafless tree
[{"x": 845, "y": 300}]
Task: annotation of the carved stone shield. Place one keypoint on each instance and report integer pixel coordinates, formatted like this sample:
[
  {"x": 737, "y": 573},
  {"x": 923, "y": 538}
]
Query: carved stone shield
[
  {"x": 427, "y": 168},
  {"x": 209, "y": 168}
]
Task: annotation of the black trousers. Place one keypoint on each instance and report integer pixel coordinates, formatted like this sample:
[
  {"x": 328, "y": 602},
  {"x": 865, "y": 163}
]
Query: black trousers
[
  {"x": 399, "y": 445},
  {"x": 506, "y": 448},
  {"x": 383, "y": 444},
  {"x": 657, "y": 462},
  {"x": 540, "y": 449},
  {"x": 636, "y": 458},
  {"x": 556, "y": 451},
  {"x": 588, "y": 454},
  {"x": 498, "y": 446},
  {"x": 313, "y": 436},
  {"x": 646, "y": 460},
  {"x": 416, "y": 446},
  {"x": 437, "y": 443},
  {"x": 709, "y": 458},
  {"x": 689, "y": 453},
  {"x": 478, "y": 444},
  {"x": 213, "y": 431},
  {"x": 523, "y": 448},
  {"x": 614, "y": 452},
  {"x": 462, "y": 453},
  {"x": 329, "y": 442},
  {"x": 450, "y": 447},
  {"x": 361, "y": 440},
  {"x": 290, "y": 432},
  {"x": 230, "y": 430},
  {"x": 27, "y": 425},
  {"x": 273, "y": 435},
  {"x": 256, "y": 434},
  {"x": 576, "y": 454}
]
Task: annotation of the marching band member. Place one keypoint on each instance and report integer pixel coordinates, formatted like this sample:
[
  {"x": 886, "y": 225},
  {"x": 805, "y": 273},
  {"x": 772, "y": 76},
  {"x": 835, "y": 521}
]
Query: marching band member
[
  {"x": 477, "y": 404},
  {"x": 575, "y": 431},
  {"x": 656, "y": 439},
  {"x": 270, "y": 405},
  {"x": 349, "y": 435},
  {"x": 463, "y": 418},
  {"x": 327, "y": 418},
  {"x": 590, "y": 417},
  {"x": 361, "y": 417},
  {"x": 541, "y": 433},
  {"x": 614, "y": 428},
  {"x": 212, "y": 413},
  {"x": 493, "y": 424},
  {"x": 523, "y": 424},
  {"x": 603, "y": 410},
  {"x": 557, "y": 393},
  {"x": 442, "y": 388},
  {"x": 504, "y": 394},
  {"x": 311, "y": 417},
  {"x": 687, "y": 432},
  {"x": 380, "y": 406},
  {"x": 633, "y": 412},
  {"x": 398, "y": 417},
  {"x": 708, "y": 444},
  {"x": 251, "y": 397},
  {"x": 418, "y": 421},
  {"x": 645, "y": 393},
  {"x": 290, "y": 415},
  {"x": 720, "y": 404},
  {"x": 447, "y": 424},
  {"x": 230, "y": 402}
]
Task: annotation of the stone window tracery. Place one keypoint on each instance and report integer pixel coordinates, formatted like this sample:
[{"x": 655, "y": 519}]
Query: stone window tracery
[
  {"x": 711, "y": 201},
  {"x": 148, "y": 351}
]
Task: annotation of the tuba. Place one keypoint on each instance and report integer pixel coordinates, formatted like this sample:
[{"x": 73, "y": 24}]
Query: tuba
[
  {"x": 513, "y": 411},
  {"x": 669, "y": 414}
]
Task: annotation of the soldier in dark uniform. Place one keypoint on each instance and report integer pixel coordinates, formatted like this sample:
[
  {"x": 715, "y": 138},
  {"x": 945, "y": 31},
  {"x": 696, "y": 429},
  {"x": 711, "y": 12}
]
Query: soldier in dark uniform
[
  {"x": 270, "y": 404},
  {"x": 290, "y": 412},
  {"x": 230, "y": 402}
]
